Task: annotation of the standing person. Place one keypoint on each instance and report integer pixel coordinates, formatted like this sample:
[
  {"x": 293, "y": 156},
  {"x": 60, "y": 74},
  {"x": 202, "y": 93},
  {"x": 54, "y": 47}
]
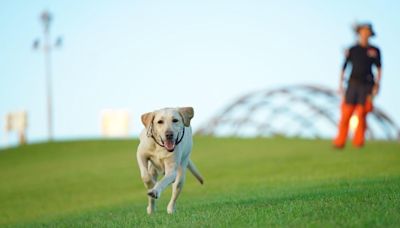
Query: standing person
[{"x": 362, "y": 86}]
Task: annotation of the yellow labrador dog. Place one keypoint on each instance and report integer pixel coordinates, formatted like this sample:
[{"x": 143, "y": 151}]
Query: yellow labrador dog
[{"x": 164, "y": 148}]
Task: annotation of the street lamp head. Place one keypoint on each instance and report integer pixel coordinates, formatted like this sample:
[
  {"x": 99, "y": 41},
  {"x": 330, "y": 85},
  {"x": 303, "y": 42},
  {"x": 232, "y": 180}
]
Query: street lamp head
[
  {"x": 59, "y": 41},
  {"x": 46, "y": 19},
  {"x": 36, "y": 44}
]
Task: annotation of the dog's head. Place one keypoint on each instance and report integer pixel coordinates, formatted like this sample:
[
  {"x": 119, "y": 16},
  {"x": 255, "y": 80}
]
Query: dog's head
[{"x": 166, "y": 125}]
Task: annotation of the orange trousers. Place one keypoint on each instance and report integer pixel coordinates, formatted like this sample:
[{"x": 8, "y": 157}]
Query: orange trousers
[{"x": 347, "y": 111}]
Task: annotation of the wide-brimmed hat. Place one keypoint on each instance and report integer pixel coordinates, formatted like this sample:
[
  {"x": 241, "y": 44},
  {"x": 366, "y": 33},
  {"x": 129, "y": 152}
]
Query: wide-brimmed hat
[{"x": 359, "y": 26}]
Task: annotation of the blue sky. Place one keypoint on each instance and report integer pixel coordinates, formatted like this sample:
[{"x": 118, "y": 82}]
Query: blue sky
[{"x": 145, "y": 55}]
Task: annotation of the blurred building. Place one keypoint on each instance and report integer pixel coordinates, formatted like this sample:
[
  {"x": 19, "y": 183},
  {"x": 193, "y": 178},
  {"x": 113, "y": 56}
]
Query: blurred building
[
  {"x": 115, "y": 123},
  {"x": 294, "y": 111},
  {"x": 16, "y": 122}
]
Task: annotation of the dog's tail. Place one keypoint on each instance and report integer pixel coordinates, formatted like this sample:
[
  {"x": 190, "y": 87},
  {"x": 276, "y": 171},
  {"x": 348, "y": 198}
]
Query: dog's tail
[{"x": 195, "y": 172}]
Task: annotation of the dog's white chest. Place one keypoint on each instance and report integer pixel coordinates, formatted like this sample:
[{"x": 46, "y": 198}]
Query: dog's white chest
[{"x": 158, "y": 159}]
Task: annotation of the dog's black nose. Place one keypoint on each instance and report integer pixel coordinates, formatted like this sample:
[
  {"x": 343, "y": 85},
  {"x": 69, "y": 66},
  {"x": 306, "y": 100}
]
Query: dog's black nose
[{"x": 169, "y": 135}]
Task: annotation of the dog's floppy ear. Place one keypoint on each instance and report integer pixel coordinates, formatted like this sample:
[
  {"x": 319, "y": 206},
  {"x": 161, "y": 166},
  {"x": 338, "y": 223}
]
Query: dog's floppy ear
[
  {"x": 187, "y": 114},
  {"x": 147, "y": 118}
]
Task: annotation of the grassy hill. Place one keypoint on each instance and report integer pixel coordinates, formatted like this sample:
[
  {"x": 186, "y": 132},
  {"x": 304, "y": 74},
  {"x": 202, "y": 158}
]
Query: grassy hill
[{"x": 248, "y": 182}]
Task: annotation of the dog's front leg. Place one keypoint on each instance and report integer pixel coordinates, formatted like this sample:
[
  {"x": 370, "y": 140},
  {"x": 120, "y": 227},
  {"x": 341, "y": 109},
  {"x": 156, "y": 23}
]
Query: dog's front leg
[
  {"x": 170, "y": 175},
  {"x": 176, "y": 189},
  {"x": 152, "y": 202},
  {"x": 147, "y": 178},
  {"x": 144, "y": 173}
]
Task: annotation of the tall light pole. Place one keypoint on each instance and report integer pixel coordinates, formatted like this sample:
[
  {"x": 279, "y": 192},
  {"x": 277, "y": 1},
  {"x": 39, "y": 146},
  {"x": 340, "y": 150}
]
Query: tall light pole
[{"x": 46, "y": 18}]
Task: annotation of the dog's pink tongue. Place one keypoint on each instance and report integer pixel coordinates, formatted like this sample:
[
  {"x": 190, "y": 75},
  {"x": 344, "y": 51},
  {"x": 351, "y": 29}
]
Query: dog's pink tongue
[{"x": 169, "y": 145}]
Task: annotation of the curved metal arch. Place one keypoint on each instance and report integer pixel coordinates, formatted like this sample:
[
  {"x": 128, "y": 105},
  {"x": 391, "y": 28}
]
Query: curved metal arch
[
  {"x": 302, "y": 94},
  {"x": 278, "y": 110}
]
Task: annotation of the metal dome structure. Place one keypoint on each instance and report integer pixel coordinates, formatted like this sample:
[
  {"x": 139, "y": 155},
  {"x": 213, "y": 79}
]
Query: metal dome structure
[{"x": 295, "y": 111}]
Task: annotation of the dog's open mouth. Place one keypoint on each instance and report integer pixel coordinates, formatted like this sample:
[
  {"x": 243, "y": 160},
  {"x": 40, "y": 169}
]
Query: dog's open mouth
[{"x": 169, "y": 145}]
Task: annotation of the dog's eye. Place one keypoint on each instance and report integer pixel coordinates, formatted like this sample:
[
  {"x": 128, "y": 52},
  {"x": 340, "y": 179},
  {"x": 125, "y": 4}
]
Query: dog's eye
[
  {"x": 160, "y": 122},
  {"x": 175, "y": 120}
]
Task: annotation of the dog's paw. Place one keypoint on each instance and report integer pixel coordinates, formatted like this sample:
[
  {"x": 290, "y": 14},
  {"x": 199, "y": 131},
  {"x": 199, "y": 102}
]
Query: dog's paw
[
  {"x": 150, "y": 210},
  {"x": 153, "y": 193},
  {"x": 170, "y": 209}
]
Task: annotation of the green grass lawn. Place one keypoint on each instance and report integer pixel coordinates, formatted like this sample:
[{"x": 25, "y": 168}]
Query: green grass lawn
[{"x": 248, "y": 183}]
